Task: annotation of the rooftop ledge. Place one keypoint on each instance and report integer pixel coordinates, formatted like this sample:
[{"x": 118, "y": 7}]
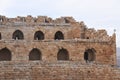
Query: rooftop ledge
[
  {"x": 56, "y": 63},
  {"x": 52, "y": 40},
  {"x": 34, "y": 24}
]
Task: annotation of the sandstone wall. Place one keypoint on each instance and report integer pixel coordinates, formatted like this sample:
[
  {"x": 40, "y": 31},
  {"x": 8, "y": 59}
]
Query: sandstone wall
[
  {"x": 77, "y": 40},
  {"x": 20, "y": 49},
  {"x": 68, "y": 31},
  {"x": 61, "y": 70}
]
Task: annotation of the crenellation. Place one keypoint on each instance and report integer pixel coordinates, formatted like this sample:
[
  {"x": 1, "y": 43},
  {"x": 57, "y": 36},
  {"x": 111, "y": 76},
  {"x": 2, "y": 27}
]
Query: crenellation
[
  {"x": 69, "y": 19},
  {"x": 41, "y": 19},
  {"x": 60, "y": 20},
  {"x": 45, "y": 19}
]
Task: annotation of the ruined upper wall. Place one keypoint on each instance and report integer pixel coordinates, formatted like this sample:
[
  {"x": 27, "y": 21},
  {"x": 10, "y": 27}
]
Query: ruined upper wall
[
  {"x": 69, "y": 26},
  {"x": 40, "y": 19}
]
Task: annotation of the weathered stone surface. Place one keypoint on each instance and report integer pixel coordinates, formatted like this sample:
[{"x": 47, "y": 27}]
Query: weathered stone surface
[
  {"x": 60, "y": 70},
  {"x": 74, "y": 38}
]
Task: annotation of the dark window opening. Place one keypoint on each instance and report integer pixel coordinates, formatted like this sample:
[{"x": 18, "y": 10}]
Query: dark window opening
[
  {"x": 5, "y": 55},
  {"x": 39, "y": 35},
  {"x": 59, "y": 35},
  {"x": 63, "y": 55},
  {"x": 35, "y": 54},
  {"x": 89, "y": 55},
  {"x": 87, "y": 37},
  {"x": 18, "y": 35},
  {"x": 46, "y": 21},
  {"x": 86, "y": 56}
]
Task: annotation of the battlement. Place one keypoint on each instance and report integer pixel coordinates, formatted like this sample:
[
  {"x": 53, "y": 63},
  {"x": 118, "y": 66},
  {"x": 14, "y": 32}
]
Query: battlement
[{"x": 41, "y": 20}]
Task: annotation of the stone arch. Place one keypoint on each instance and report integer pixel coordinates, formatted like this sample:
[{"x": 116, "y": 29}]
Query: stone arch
[
  {"x": 62, "y": 54},
  {"x": 58, "y": 35},
  {"x": 89, "y": 55},
  {"x": 35, "y": 54},
  {"x": 5, "y": 54},
  {"x": 87, "y": 38},
  {"x": 18, "y": 35},
  {"x": 39, "y": 35}
]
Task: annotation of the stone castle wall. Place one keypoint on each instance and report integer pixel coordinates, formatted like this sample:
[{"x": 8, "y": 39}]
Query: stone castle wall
[
  {"x": 49, "y": 49},
  {"x": 87, "y": 54}
]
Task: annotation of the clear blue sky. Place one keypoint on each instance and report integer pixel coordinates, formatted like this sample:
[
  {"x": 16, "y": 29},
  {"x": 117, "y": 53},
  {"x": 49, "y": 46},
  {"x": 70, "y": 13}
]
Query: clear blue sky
[{"x": 98, "y": 14}]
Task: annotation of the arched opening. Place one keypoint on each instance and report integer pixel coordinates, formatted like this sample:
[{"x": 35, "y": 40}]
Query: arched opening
[
  {"x": 63, "y": 54},
  {"x": 35, "y": 54},
  {"x": 87, "y": 38},
  {"x": 89, "y": 55},
  {"x": 18, "y": 35},
  {"x": 59, "y": 35},
  {"x": 39, "y": 35},
  {"x": 5, "y": 55}
]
